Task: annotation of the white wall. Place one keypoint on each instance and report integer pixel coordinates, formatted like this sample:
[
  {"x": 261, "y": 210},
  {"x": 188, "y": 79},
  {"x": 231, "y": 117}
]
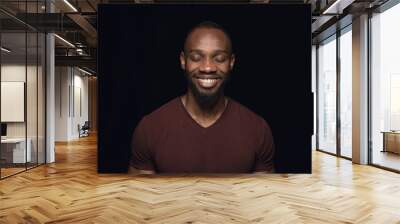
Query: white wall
[
  {"x": 80, "y": 102},
  {"x": 62, "y": 81},
  {"x": 71, "y": 93},
  {"x": 16, "y": 72},
  {"x": 33, "y": 127}
]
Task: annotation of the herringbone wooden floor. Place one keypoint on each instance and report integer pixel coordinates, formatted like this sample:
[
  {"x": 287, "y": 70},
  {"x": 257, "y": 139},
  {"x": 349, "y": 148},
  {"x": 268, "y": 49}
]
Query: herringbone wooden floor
[{"x": 71, "y": 191}]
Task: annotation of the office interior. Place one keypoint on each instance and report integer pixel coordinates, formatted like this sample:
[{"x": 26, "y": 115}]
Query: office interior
[{"x": 49, "y": 117}]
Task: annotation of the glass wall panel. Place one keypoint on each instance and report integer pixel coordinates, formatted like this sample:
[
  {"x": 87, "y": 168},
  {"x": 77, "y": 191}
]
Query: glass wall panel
[
  {"x": 41, "y": 98},
  {"x": 385, "y": 88},
  {"x": 22, "y": 88},
  {"x": 32, "y": 85},
  {"x": 32, "y": 95},
  {"x": 346, "y": 94},
  {"x": 327, "y": 95},
  {"x": 14, "y": 154}
]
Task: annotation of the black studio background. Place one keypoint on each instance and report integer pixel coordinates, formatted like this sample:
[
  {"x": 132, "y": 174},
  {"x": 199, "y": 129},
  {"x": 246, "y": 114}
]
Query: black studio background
[{"x": 138, "y": 64}]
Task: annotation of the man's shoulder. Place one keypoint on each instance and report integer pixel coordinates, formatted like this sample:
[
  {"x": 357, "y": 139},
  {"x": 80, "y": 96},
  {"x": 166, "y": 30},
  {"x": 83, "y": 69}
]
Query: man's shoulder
[
  {"x": 251, "y": 122},
  {"x": 246, "y": 114},
  {"x": 165, "y": 113}
]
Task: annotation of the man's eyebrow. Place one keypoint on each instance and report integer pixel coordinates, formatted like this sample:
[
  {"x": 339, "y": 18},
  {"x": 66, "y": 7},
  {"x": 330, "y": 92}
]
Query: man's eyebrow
[
  {"x": 200, "y": 51},
  {"x": 223, "y": 51},
  {"x": 195, "y": 51}
]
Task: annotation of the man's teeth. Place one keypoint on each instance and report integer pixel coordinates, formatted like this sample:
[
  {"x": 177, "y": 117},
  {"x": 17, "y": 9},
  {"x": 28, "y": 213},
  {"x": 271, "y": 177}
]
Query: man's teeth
[{"x": 208, "y": 80}]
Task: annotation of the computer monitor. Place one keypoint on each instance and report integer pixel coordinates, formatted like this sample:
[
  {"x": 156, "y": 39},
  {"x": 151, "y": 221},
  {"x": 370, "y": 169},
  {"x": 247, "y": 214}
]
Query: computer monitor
[{"x": 3, "y": 129}]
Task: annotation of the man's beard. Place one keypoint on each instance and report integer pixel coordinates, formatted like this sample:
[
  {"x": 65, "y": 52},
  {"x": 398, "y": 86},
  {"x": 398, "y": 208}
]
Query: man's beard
[{"x": 206, "y": 101}]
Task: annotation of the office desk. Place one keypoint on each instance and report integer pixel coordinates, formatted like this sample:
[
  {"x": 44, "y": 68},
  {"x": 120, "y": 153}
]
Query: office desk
[
  {"x": 13, "y": 150},
  {"x": 391, "y": 141}
]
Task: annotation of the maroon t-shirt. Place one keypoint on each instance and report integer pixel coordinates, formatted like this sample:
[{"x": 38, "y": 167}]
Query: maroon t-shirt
[{"x": 169, "y": 141}]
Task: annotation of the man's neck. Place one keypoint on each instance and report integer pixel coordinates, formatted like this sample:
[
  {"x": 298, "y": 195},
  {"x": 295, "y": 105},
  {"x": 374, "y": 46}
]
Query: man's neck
[{"x": 205, "y": 117}]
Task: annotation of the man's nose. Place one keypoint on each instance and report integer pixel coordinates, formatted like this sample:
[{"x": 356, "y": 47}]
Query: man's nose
[{"x": 208, "y": 66}]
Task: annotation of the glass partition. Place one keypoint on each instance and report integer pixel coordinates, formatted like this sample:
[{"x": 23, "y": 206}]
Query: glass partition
[
  {"x": 32, "y": 95},
  {"x": 41, "y": 91},
  {"x": 22, "y": 101},
  {"x": 14, "y": 153},
  {"x": 327, "y": 95}
]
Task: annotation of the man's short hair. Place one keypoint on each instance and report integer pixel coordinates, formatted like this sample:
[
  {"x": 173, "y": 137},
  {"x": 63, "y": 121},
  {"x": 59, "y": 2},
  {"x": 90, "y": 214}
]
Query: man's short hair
[{"x": 210, "y": 25}]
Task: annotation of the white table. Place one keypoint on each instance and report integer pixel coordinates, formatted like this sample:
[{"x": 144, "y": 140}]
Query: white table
[{"x": 18, "y": 149}]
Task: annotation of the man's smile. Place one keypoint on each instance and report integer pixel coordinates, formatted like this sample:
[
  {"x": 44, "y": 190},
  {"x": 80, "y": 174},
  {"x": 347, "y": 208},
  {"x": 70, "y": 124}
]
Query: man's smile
[{"x": 207, "y": 81}]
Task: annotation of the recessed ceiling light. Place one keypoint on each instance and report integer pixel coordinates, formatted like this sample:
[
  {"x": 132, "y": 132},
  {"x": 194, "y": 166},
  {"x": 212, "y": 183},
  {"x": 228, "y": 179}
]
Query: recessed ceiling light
[
  {"x": 5, "y": 50},
  {"x": 337, "y": 7},
  {"x": 70, "y": 5},
  {"x": 84, "y": 71},
  {"x": 64, "y": 40}
]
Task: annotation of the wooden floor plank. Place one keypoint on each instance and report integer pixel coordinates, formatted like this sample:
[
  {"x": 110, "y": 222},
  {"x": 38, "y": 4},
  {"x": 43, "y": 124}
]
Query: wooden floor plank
[{"x": 71, "y": 191}]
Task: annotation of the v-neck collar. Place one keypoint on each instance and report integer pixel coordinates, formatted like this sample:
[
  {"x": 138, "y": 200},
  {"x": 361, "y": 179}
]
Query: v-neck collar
[{"x": 223, "y": 114}]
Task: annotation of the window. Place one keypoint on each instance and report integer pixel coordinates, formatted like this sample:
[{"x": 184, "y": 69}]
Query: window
[
  {"x": 327, "y": 95},
  {"x": 385, "y": 88},
  {"x": 346, "y": 92}
]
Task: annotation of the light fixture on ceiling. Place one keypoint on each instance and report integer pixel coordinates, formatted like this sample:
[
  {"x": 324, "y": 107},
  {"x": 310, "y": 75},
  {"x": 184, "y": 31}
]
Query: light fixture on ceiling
[
  {"x": 70, "y": 5},
  {"x": 5, "y": 50},
  {"x": 79, "y": 51},
  {"x": 65, "y": 41},
  {"x": 337, "y": 7},
  {"x": 84, "y": 71},
  {"x": 329, "y": 9}
]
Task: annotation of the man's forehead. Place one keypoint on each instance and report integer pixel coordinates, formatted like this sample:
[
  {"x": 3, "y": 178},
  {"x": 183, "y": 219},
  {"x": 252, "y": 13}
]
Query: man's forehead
[
  {"x": 207, "y": 31},
  {"x": 202, "y": 35}
]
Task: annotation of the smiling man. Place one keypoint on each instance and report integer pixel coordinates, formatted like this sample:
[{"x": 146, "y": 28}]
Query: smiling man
[{"x": 203, "y": 131}]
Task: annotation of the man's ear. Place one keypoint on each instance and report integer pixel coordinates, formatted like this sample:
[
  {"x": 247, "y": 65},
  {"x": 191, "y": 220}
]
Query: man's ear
[
  {"x": 182, "y": 59},
  {"x": 232, "y": 63}
]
